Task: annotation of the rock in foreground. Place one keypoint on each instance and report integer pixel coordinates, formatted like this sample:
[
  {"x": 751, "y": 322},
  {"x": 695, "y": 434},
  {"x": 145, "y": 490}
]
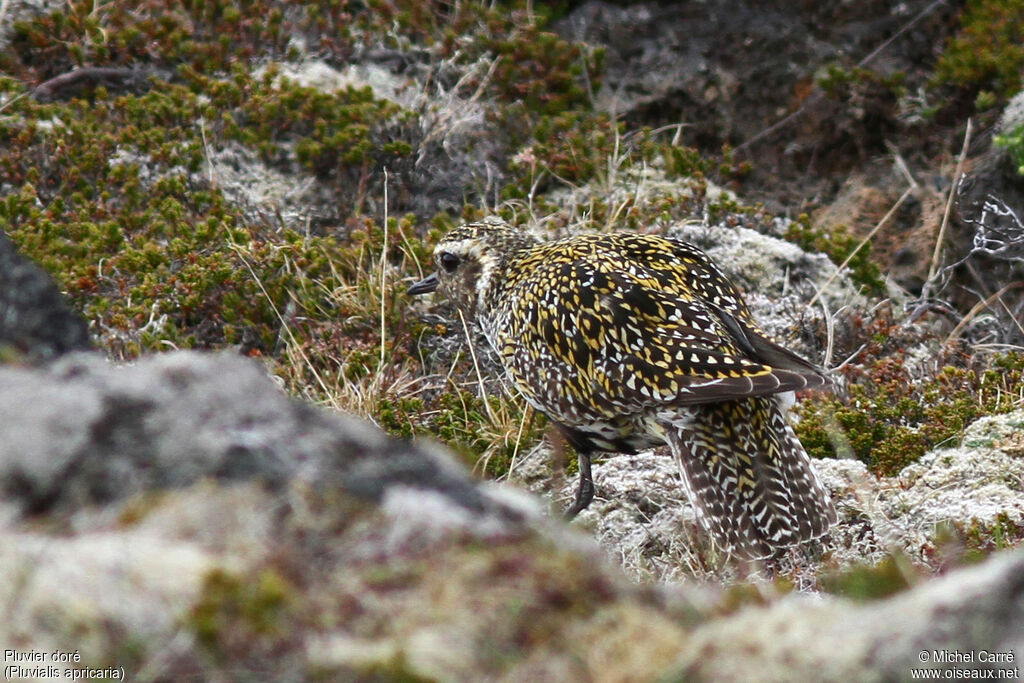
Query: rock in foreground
[{"x": 182, "y": 518}]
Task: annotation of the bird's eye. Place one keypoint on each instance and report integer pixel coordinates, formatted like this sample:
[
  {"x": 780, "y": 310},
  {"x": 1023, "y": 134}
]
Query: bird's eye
[{"x": 448, "y": 261}]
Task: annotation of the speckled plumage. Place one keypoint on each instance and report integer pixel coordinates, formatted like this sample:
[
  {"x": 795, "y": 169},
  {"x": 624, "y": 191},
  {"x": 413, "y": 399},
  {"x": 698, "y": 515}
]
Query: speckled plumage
[{"x": 630, "y": 341}]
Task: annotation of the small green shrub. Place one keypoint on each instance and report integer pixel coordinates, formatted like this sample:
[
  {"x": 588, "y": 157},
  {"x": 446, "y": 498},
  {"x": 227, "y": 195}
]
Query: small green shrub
[
  {"x": 987, "y": 53},
  {"x": 838, "y": 244},
  {"x": 890, "y": 418},
  {"x": 232, "y": 610}
]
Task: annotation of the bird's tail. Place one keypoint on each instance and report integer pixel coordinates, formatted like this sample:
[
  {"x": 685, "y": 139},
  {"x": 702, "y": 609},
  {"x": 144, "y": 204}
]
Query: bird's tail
[{"x": 748, "y": 476}]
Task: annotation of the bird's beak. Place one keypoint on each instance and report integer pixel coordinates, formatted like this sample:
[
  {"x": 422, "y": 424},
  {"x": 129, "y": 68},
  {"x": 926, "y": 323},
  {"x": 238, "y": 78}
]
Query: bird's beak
[{"x": 427, "y": 284}]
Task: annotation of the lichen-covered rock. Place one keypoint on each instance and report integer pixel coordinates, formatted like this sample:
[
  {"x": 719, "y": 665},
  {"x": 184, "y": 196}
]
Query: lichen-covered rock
[
  {"x": 240, "y": 530},
  {"x": 83, "y": 430},
  {"x": 979, "y": 480},
  {"x": 973, "y": 612},
  {"x": 642, "y": 517},
  {"x": 972, "y": 486},
  {"x": 200, "y": 518}
]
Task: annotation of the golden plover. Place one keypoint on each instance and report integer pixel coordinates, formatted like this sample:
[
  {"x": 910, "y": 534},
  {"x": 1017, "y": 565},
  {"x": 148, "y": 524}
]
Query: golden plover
[{"x": 630, "y": 341}]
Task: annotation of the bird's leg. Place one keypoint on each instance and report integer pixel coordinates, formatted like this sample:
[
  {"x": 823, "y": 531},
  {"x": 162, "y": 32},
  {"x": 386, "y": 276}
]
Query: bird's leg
[{"x": 585, "y": 492}]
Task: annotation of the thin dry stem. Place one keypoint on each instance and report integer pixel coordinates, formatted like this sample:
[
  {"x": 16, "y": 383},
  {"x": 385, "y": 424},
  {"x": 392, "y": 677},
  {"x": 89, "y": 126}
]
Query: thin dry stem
[
  {"x": 284, "y": 324},
  {"x": 830, "y": 332},
  {"x": 479, "y": 375},
  {"x": 975, "y": 310},
  {"x": 383, "y": 271},
  {"x": 12, "y": 101},
  {"x": 901, "y": 164},
  {"x": 937, "y": 254},
  {"x": 527, "y": 412},
  {"x": 210, "y": 168},
  {"x": 1012, "y": 316},
  {"x": 867, "y": 238}
]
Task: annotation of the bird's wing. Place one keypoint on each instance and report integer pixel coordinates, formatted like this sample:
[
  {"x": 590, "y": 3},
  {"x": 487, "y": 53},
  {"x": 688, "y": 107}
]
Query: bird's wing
[{"x": 636, "y": 337}]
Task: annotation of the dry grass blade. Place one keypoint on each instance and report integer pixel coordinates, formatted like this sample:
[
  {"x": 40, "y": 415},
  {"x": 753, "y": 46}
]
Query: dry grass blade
[
  {"x": 527, "y": 413},
  {"x": 479, "y": 375},
  {"x": 383, "y": 271},
  {"x": 1014, "y": 318},
  {"x": 867, "y": 238},
  {"x": 901, "y": 164},
  {"x": 12, "y": 101},
  {"x": 830, "y": 327},
  {"x": 976, "y": 309},
  {"x": 284, "y": 323},
  {"x": 937, "y": 254}
]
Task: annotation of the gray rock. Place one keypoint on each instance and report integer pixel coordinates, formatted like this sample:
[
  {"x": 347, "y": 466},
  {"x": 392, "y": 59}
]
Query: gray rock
[
  {"x": 642, "y": 518},
  {"x": 721, "y": 68},
  {"x": 83, "y": 431},
  {"x": 1012, "y": 116},
  {"x": 194, "y": 522},
  {"x": 976, "y": 612},
  {"x": 35, "y": 321},
  {"x": 976, "y": 483}
]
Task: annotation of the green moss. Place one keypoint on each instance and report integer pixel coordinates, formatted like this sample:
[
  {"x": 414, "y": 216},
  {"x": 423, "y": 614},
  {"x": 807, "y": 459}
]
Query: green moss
[
  {"x": 892, "y": 575},
  {"x": 544, "y": 72},
  {"x": 395, "y": 415},
  {"x": 688, "y": 162},
  {"x": 1013, "y": 142},
  {"x": 984, "y": 539},
  {"x": 960, "y": 543},
  {"x": 839, "y": 81},
  {"x": 838, "y": 244},
  {"x": 463, "y": 423},
  {"x": 213, "y": 35},
  {"x": 396, "y": 669},
  {"x": 233, "y": 611},
  {"x": 740, "y": 595},
  {"x": 165, "y": 260},
  {"x": 569, "y": 147}
]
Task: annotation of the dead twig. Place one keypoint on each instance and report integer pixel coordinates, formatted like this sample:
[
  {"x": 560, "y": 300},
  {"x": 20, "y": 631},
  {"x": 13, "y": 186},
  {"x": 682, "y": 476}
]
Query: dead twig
[
  {"x": 937, "y": 254},
  {"x": 976, "y": 309},
  {"x": 86, "y": 78},
  {"x": 878, "y": 226}
]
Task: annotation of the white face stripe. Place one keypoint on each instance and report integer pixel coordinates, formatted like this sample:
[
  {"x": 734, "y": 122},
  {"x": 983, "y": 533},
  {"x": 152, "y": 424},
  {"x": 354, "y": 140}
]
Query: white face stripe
[{"x": 483, "y": 282}]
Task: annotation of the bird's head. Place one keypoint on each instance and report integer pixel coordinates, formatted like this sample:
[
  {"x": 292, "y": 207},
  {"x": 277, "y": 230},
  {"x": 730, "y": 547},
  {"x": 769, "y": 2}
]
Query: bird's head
[{"x": 469, "y": 261}]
